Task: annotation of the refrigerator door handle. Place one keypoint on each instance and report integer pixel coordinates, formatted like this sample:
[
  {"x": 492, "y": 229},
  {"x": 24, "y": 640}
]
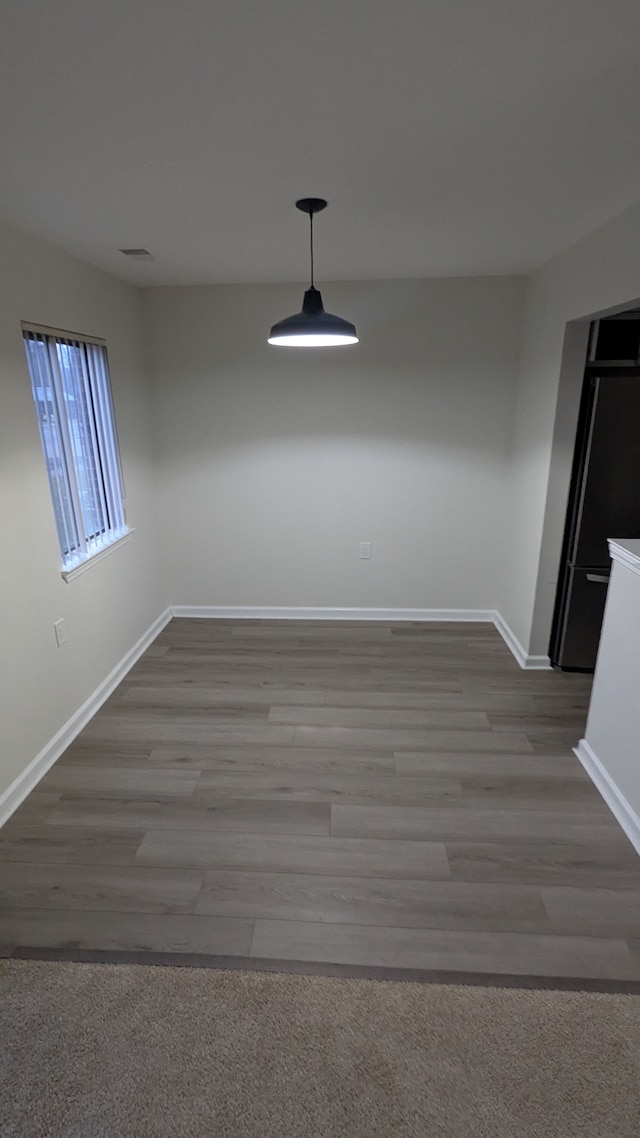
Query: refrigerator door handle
[{"x": 598, "y": 578}]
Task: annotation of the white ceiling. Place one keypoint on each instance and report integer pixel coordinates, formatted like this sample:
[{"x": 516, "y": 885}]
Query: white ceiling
[{"x": 450, "y": 136}]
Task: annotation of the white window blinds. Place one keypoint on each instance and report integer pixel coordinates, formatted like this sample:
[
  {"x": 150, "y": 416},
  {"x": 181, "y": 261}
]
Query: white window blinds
[{"x": 72, "y": 393}]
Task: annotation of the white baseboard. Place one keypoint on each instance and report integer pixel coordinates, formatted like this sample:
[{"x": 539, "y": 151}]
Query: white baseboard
[
  {"x": 287, "y": 612},
  {"x": 623, "y": 813},
  {"x": 529, "y": 663},
  {"x": 251, "y": 612},
  {"x": 30, "y": 777}
]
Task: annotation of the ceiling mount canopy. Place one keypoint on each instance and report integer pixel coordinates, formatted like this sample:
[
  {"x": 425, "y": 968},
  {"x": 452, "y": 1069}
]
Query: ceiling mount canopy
[{"x": 312, "y": 327}]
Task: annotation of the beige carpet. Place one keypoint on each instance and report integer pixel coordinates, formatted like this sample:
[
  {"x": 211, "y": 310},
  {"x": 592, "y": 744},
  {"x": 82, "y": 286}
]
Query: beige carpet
[{"x": 130, "y": 1051}]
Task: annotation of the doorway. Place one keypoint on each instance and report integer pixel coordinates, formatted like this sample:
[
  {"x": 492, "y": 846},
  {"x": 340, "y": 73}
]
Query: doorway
[{"x": 604, "y": 487}]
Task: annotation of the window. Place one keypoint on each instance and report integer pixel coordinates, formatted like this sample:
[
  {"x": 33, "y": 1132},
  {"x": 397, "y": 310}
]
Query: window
[{"x": 72, "y": 393}]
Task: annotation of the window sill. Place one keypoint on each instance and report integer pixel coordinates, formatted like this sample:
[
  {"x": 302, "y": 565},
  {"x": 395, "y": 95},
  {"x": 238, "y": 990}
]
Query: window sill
[{"x": 71, "y": 574}]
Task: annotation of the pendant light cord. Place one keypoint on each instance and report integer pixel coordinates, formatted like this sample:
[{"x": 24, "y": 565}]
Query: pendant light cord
[{"x": 311, "y": 245}]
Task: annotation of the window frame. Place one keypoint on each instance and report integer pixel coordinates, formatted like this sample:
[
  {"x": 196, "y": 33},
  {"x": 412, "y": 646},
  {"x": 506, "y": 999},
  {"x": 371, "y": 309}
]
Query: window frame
[{"x": 81, "y": 451}]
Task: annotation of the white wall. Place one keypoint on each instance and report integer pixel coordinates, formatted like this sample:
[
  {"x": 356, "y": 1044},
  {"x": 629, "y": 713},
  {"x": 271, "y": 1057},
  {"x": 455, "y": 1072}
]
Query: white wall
[
  {"x": 613, "y": 726},
  {"x": 276, "y": 462},
  {"x": 599, "y": 274},
  {"x": 108, "y": 607}
]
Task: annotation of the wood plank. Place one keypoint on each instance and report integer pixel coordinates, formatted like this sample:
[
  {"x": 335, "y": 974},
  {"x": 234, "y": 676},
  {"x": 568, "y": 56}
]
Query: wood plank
[
  {"x": 424, "y": 700},
  {"x": 37, "y": 806},
  {"x": 318, "y": 658},
  {"x": 222, "y": 711},
  {"x": 372, "y": 901},
  {"x": 81, "y": 844},
  {"x": 97, "y": 887},
  {"x": 131, "y": 932},
  {"x": 306, "y": 759},
  {"x": 92, "y": 780},
  {"x": 410, "y": 740},
  {"x": 380, "y": 717},
  {"x": 433, "y": 824},
  {"x": 356, "y": 678},
  {"x": 526, "y": 954},
  {"x": 276, "y": 853},
  {"x": 605, "y": 864},
  {"x": 208, "y": 695},
  {"x": 318, "y": 630},
  {"x": 567, "y": 722},
  {"x": 502, "y": 765},
  {"x": 595, "y": 912},
  {"x": 159, "y": 728},
  {"x": 108, "y": 755},
  {"x": 533, "y": 793},
  {"x": 310, "y": 785},
  {"x": 206, "y": 812}
]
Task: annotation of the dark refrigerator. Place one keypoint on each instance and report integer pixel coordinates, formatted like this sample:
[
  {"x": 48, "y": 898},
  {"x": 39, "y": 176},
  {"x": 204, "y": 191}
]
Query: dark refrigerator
[{"x": 604, "y": 502}]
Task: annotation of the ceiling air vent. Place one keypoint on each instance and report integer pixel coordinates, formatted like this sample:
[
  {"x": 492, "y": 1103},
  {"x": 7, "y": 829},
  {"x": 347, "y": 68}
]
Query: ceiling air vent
[{"x": 138, "y": 254}]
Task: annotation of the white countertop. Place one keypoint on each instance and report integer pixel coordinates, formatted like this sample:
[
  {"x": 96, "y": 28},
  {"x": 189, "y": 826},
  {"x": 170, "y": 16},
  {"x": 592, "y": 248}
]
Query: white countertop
[{"x": 626, "y": 550}]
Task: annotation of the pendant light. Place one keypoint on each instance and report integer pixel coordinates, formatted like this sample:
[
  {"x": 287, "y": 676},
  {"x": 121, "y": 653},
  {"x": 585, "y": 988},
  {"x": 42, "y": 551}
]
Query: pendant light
[{"x": 313, "y": 327}]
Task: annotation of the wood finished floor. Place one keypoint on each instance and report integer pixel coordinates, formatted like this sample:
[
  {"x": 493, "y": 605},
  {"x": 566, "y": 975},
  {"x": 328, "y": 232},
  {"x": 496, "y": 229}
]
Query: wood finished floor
[{"x": 396, "y": 795}]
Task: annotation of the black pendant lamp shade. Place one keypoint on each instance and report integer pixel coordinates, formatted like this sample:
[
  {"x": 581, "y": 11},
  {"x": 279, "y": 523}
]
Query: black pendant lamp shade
[{"x": 312, "y": 327}]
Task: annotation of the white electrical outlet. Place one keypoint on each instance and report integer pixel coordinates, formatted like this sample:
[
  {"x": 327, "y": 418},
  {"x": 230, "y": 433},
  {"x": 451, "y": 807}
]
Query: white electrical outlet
[
  {"x": 60, "y": 631},
  {"x": 365, "y": 550}
]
